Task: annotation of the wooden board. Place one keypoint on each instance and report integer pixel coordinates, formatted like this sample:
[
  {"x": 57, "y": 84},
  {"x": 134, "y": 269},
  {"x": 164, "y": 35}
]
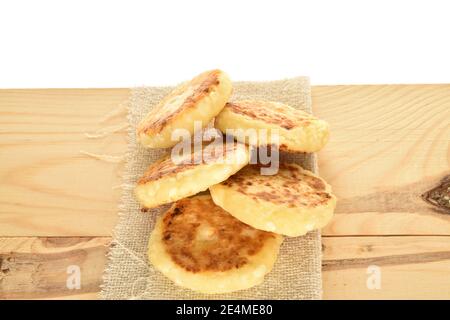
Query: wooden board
[
  {"x": 47, "y": 186},
  {"x": 411, "y": 267},
  {"x": 40, "y": 267},
  {"x": 389, "y": 145}
]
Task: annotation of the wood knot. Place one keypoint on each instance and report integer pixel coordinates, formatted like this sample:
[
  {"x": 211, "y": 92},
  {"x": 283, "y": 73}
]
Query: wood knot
[{"x": 439, "y": 196}]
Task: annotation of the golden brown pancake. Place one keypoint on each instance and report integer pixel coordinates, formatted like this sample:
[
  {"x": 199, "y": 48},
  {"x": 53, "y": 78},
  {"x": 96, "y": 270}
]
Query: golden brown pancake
[
  {"x": 170, "y": 179},
  {"x": 297, "y": 130},
  {"x": 200, "y": 246},
  {"x": 200, "y": 99},
  {"x": 292, "y": 202}
]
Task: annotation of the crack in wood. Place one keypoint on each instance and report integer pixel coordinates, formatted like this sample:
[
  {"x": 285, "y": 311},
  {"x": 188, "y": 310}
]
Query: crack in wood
[{"x": 393, "y": 260}]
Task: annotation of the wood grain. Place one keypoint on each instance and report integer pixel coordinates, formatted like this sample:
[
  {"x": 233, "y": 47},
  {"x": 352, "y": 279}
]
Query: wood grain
[
  {"x": 411, "y": 267},
  {"x": 389, "y": 144},
  {"x": 47, "y": 187},
  {"x": 34, "y": 268}
]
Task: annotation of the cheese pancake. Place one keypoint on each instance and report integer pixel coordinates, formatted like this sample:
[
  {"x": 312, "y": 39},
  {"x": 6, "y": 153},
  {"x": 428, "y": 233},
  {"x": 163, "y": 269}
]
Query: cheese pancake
[
  {"x": 171, "y": 179},
  {"x": 292, "y": 202},
  {"x": 297, "y": 130},
  {"x": 200, "y": 99},
  {"x": 199, "y": 246}
]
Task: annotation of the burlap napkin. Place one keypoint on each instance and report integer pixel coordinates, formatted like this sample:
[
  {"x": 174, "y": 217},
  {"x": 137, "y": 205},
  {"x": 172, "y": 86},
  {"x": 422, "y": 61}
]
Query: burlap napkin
[{"x": 297, "y": 272}]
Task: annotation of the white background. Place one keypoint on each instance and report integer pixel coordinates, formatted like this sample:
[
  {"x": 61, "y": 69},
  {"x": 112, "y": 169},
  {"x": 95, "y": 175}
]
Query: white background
[{"x": 134, "y": 43}]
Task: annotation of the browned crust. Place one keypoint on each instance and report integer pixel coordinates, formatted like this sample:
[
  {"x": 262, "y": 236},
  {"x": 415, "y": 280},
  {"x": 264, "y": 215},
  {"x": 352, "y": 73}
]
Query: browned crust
[
  {"x": 296, "y": 190},
  {"x": 166, "y": 167},
  {"x": 269, "y": 112},
  {"x": 202, "y": 85},
  {"x": 228, "y": 246},
  {"x": 162, "y": 168}
]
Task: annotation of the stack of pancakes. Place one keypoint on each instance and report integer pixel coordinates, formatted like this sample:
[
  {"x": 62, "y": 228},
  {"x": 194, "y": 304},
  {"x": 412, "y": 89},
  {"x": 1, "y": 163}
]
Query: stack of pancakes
[{"x": 228, "y": 239}]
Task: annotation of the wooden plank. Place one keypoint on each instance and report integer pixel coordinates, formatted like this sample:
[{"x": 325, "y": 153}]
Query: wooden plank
[
  {"x": 37, "y": 268},
  {"x": 47, "y": 187},
  {"x": 389, "y": 144},
  {"x": 412, "y": 267}
]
